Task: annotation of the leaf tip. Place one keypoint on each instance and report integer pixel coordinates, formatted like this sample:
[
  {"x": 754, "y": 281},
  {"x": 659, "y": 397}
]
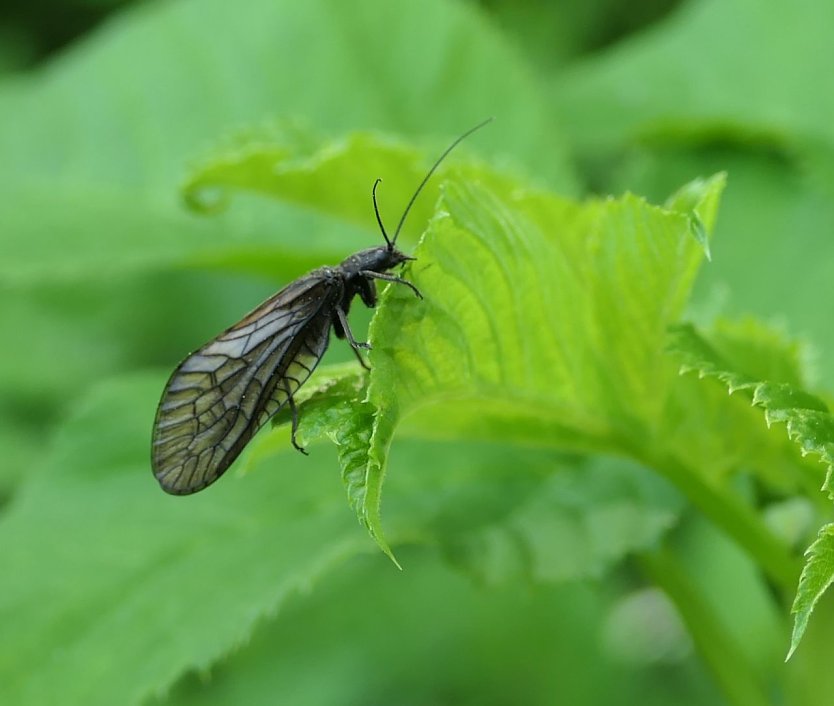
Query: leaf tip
[
  {"x": 800, "y": 623},
  {"x": 386, "y": 549},
  {"x": 699, "y": 232}
]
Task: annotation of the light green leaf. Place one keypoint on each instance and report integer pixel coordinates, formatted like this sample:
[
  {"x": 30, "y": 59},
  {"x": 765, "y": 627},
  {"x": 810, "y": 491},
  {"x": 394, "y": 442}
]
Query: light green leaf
[
  {"x": 809, "y": 425},
  {"x": 696, "y": 411},
  {"x": 585, "y": 372},
  {"x": 481, "y": 357},
  {"x": 290, "y": 164},
  {"x": 808, "y": 421},
  {"x": 537, "y": 309},
  {"x": 772, "y": 217},
  {"x": 817, "y": 576},
  {"x": 593, "y": 377}
]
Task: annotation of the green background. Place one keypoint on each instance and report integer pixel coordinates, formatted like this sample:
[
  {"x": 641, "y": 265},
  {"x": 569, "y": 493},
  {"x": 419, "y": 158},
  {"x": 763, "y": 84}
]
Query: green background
[{"x": 106, "y": 281}]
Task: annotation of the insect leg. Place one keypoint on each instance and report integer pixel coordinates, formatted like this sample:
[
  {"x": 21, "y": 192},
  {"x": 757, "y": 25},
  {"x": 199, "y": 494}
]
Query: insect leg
[
  {"x": 348, "y": 333},
  {"x": 354, "y": 346},
  {"x": 294, "y": 412},
  {"x": 360, "y": 359},
  {"x": 391, "y": 278}
]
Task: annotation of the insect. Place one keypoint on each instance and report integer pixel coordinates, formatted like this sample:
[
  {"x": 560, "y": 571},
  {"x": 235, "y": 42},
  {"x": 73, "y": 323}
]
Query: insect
[{"x": 220, "y": 395}]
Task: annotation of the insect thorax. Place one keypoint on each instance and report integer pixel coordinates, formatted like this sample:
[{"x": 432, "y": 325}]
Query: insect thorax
[{"x": 378, "y": 259}]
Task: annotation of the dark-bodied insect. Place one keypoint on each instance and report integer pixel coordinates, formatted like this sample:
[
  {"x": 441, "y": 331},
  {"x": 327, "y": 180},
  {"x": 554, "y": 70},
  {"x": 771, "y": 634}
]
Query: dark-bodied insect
[{"x": 221, "y": 394}]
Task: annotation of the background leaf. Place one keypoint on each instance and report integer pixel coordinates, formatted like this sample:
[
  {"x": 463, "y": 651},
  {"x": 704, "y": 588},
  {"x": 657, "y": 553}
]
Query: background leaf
[
  {"x": 697, "y": 95},
  {"x": 104, "y": 589},
  {"x": 287, "y": 658}
]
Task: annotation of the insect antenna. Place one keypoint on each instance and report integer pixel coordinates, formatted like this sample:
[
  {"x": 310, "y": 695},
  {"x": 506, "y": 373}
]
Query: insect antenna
[
  {"x": 378, "y": 217},
  {"x": 460, "y": 139}
]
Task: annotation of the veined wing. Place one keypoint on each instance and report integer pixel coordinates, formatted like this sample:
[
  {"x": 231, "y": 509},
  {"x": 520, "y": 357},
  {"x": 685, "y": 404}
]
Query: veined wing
[{"x": 221, "y": 394}]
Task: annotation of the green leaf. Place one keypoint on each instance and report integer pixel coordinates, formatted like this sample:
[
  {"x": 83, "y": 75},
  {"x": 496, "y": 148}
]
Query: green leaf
[
  {"x": 696, "y": 411},
  {"x": 572, "y": 520},
  {"x": 687, "y": 199},
  {"x": 480, "y": 358},
  {"x": 584, "y": 372},
  {"x": 333, "y": 177},
  {"x": 103, "y": 587},
  {"x": 809, "y": 425},
  {"x": 519, "y": 507},
  {"x": 374, "y": 633},
  {"x": 433, "y": 69},
  {"x": 772, "y": 217},
  {"x": 658, "y": 87},
  {"x": 817, "y": 576},
  {"x": 95, "y": 235},
  {"x": 438, "y": 364},
  {"x": 136, "y": 562}
]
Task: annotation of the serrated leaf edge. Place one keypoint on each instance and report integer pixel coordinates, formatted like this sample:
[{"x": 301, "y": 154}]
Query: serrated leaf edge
[{"x": 795, "y": 421}]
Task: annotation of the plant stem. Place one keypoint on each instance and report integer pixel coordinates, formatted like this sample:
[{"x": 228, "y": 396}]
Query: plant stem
[
  {"x": 738, "y": 520},
  {"x": 733, "y": 673}
]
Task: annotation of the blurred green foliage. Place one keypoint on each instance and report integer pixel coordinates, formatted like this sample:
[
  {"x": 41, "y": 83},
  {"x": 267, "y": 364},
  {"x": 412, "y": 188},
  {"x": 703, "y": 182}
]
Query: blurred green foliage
[{"x": 527, "y": 546}]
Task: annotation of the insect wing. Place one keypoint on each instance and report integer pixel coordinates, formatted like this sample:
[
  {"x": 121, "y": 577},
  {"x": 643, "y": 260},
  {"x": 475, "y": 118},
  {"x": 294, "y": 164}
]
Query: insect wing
[{"x": 221, "y": 394}]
